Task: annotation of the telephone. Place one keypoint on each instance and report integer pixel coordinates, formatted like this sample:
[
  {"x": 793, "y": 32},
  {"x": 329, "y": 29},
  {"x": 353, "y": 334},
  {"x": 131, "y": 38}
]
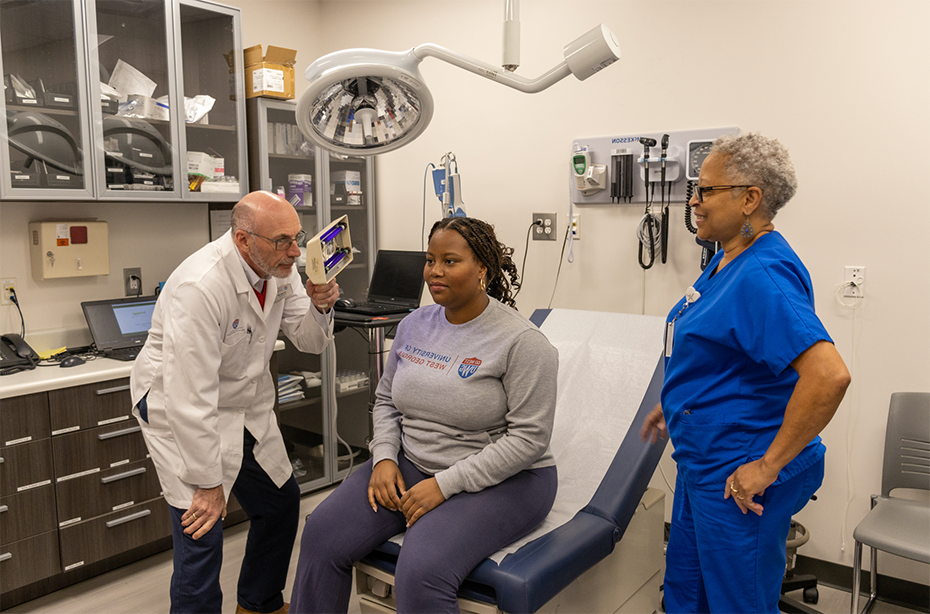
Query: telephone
[{"x": 16, "y": 355}]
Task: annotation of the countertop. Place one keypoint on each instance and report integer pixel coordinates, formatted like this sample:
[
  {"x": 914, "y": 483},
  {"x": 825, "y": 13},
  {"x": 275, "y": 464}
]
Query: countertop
[{"x": 43, "y": 379}]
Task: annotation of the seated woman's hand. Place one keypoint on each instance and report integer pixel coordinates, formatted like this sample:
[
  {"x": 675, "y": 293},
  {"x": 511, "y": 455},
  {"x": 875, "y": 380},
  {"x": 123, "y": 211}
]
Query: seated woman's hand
[
  {"x": 385, "y": 484},
  {"x": 420, "y": 499}
]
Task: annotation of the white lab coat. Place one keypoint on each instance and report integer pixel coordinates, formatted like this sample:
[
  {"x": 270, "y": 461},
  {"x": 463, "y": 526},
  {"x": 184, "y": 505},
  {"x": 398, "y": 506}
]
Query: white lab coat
[{"x": 205, "y": 370}]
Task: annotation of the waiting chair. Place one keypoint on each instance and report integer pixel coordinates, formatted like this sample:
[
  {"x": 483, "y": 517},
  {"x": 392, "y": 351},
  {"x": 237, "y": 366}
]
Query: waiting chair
[{"x": 895, "y": 525}]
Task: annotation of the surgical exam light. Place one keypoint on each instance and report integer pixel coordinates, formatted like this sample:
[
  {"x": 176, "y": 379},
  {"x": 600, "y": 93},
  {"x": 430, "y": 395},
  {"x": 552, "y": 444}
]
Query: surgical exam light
[
  {"x": 329, "y": 252},
  {"x": 367, "y": 101}
]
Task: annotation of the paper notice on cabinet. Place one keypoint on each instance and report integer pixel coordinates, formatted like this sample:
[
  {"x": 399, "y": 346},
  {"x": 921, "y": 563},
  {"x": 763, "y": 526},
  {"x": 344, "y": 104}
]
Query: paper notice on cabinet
[
  {"x": 220, "y": 222},
  {"x": 128, "y": 80}
]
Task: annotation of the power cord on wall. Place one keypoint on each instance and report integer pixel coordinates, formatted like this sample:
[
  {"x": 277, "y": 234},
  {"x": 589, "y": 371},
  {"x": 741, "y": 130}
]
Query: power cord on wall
[
  {"x": 854, "y": 396},
  {"x": 526, "y": 255},
  {"x": 15, "y": 301}
]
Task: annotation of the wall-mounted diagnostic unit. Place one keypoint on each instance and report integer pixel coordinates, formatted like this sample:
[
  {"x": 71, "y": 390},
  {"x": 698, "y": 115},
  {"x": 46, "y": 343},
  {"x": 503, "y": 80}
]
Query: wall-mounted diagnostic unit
[
  {"x": 61, "y": 249},
  {"x": 625, "y": 169}
]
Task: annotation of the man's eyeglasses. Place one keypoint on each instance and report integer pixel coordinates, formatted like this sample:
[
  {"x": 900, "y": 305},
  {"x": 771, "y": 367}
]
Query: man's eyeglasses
[
  {"x": 699, "y": 190},
  {"x": 283, "y": 244}
]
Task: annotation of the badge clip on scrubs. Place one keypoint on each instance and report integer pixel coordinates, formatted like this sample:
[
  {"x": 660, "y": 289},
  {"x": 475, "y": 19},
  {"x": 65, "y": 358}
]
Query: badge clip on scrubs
[{"x": 329, "y": 252}]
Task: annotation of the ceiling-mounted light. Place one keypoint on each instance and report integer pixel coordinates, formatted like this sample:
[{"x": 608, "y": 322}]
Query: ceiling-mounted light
[{"x": 366, "y": 101}]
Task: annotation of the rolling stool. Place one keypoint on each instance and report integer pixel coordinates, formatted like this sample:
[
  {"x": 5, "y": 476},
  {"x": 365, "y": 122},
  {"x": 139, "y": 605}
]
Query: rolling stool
[{"x": 798, "y": 535}]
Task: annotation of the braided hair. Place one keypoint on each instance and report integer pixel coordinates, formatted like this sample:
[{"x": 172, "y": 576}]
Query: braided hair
[{"x": 494, "y": 255}]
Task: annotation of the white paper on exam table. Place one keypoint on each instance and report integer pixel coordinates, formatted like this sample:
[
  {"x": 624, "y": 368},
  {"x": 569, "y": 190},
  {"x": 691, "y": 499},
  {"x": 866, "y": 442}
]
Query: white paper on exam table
[{"x": 606, "y": 361}]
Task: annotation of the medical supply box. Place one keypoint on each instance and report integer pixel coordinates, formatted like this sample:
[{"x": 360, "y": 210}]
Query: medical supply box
[
  {"x": 300, "y": 190},
  {"x": 346, "y": 187},
  {"x": 271, "y": 75}
]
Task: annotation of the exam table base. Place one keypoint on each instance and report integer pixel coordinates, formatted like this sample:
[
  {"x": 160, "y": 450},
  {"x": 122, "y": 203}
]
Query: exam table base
[{"x": 628, "y": 580}]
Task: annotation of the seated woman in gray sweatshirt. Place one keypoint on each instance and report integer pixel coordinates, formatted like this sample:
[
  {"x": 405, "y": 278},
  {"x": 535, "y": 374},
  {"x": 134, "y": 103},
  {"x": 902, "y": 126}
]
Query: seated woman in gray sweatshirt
[{"x": 460, "y": 453}]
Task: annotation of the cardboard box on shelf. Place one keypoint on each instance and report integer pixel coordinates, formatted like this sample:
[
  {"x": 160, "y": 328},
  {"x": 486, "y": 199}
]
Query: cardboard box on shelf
[{"x": 271, "y": 75}]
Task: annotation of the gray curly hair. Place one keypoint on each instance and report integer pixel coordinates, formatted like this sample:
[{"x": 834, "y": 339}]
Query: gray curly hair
[{"x": 753, "y": 159}]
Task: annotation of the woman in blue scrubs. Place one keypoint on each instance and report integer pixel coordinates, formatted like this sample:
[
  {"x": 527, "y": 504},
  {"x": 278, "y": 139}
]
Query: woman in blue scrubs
[{"x": 751, "y": 379}]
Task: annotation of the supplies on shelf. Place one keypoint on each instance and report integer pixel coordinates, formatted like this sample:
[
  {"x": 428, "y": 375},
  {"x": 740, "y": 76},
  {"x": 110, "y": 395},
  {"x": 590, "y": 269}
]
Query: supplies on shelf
[
  {"x": 351, "y": 380},
  {"x": 287, "y": 140},
  {"x": 289, "y": 388}
]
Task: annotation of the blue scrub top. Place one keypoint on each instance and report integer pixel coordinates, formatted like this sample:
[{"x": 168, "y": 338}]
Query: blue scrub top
[{"x": 728, "y": 379}]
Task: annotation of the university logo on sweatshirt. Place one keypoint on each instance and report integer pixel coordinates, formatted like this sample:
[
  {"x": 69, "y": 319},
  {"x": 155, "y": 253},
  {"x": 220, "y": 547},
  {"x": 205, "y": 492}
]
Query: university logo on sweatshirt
[{"x": 468, "y": 367}]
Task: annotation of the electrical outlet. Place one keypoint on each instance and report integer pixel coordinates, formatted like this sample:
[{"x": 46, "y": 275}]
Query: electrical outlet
[
  {"x": 576, "y": 227},
  {"x": 8, "y": 283},
  {"x": 132, "y": 280},
  {"x": 545, "y": 231},
  {"x": 854, "y": 275}
]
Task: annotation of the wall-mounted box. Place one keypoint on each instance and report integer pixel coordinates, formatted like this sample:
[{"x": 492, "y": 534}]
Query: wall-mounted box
[{"x": 61, "y": 249}]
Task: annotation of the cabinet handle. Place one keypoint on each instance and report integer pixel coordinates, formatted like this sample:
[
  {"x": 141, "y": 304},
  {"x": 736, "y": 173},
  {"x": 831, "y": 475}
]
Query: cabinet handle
[
  {"x": 104, "y": 391},
  {"x": 4, "y": 508},
  {"x": 112, "y": 434},
  {"x": 129, "y": 518},
  {"x": 122, "y": 476},
  {"x": 6, "y": 556}
]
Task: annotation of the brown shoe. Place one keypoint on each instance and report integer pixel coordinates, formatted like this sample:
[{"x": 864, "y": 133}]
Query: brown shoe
[{"x": 282, "y": 610}]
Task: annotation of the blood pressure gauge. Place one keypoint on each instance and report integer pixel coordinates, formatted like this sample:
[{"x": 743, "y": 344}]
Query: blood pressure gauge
[{"x": 697, "y": 153}]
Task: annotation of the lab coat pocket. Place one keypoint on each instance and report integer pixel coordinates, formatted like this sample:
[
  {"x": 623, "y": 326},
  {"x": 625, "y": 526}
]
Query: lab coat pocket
[{"x": 235, "y": 353}]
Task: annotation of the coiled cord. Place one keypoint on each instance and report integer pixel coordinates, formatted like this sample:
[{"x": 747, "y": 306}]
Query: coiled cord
[
  {"x": 650, "y": 243},
  {"x": 688, "y": 194}
]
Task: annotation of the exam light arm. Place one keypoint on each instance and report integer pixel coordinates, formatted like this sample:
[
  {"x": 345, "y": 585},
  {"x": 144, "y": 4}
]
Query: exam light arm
[{"x": 494, "y": 73}]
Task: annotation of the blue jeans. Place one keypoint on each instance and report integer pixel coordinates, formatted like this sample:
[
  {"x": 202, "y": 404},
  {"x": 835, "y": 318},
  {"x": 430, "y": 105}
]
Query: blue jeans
[
  {"x": 439, "y": 551},
  {"x": 273, "y": 513},
  {"x": 721, "y": 560}
]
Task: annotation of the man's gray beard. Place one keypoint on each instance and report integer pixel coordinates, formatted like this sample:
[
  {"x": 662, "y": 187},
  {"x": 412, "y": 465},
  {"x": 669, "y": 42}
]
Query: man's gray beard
[{"x": 266, "y": 267}]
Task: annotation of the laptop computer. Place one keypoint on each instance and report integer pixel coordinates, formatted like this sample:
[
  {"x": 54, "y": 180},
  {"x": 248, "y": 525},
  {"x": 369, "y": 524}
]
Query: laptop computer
[
  {"x": 396, "y": 284},
  {"x": 120, "y": 326}
]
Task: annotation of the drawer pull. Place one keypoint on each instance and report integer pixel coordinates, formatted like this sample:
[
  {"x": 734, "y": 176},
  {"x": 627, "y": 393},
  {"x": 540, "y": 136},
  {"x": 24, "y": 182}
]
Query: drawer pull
[
  {"x": 4, "y": 508},
  {"x": 122, "y": 476},
  {"x": 104, "y": 391},
  {"x": 6, "y": 556},
  {"x": 129, "y": 518},
  {"x": 112, "y": 434}
]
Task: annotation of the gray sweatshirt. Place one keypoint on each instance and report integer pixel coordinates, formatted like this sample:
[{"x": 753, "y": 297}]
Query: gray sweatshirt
[{"x": 471, "y": 404}]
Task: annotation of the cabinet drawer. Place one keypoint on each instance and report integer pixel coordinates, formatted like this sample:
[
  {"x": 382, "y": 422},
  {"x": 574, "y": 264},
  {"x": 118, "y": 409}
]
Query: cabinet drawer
[
  {"x": 25, "y": 466},
  {"x": 24, "y": 419},
  {"x": 89, "y": 406},
  {"x": 106, "y": 491},
  {"x": 29, "y": 560},
  {"x": 26, "y": 514},
  {"x": 98, "y": 449},
  {"x": 93, "y": 540}
]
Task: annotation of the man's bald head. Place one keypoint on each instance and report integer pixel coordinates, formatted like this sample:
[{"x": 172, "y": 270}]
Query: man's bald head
[{"x": 258, "y": 209}]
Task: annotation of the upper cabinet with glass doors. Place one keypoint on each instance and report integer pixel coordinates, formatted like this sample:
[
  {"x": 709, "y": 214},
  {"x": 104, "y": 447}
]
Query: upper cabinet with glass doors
[
  {"x": 45, "y": 129},
  {"x": 161, "y": 89}
]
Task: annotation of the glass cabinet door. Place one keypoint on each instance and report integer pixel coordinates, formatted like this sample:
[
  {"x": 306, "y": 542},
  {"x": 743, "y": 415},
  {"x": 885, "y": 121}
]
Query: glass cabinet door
[
  {"x": 45, "y": 135},
  {"x": 132, "y": 81},
  {"x": 210, "y": 58},
  {"x": 349, "y": 192}
]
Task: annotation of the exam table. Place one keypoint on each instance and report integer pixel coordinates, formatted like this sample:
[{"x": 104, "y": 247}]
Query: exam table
[{"x": 600, "y": 552}]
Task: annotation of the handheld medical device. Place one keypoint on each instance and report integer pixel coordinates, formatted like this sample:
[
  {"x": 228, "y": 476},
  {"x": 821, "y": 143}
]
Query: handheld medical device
[
  {"x": 589, "y": 178},
  {"x": 329, "y": 252}
]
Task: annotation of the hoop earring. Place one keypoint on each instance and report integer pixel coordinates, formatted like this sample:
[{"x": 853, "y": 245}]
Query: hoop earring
[
  {"x": 481, "y": 283},
  {"x": 746, "y": 230}
]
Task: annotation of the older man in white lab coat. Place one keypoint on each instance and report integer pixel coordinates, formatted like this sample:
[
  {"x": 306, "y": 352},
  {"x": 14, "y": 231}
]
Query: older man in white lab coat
[{"x": 204, "y": 396}]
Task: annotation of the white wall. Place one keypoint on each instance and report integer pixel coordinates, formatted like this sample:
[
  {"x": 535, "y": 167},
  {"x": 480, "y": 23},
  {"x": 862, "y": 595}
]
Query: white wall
[{"x": 844, "y": 85}]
